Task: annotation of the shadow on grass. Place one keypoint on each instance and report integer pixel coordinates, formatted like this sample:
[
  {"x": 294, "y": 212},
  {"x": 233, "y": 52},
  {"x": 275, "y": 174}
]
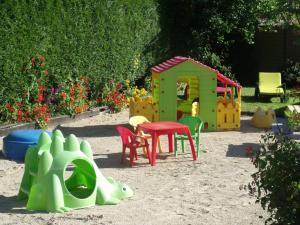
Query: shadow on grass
[{"x": 241, "y": 150}]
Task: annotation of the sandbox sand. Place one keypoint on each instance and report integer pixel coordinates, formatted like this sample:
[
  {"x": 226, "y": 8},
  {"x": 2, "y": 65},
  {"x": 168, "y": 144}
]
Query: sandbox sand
[{"x": 175, "y": 191}]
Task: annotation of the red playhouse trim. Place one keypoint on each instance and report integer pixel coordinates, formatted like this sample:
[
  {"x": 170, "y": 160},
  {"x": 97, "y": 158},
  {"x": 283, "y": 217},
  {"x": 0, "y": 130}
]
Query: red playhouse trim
[{"x": 179, "y": 59}]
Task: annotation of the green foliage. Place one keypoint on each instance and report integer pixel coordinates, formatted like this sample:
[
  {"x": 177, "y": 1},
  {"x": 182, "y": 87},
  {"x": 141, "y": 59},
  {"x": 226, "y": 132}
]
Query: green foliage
[
  {"x": 102, "y": 39},
  {"x": 291, "y": 74},
  {"x": 113, "y": 97},
  {"x": 293, "y": 119},
  {"x": 279, "y": 14},
  {"x": 206, "y": 29},
  {"x": 30, "y": 105},
  {"x": 277, "y": 182},
  {"x": 73, "y": 97}
]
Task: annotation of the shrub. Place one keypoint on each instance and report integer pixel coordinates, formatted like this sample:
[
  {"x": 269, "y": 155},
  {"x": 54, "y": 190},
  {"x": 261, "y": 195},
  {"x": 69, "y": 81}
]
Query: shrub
[
  {"x": 73, "y": 97},
  {"x": 29, "y": 104},
  {"x": 104, "y": 39},
  {"x": 112, "y": 97},
  {"x": 277, "y": 181},
  {"x": 291, "y": 74}
]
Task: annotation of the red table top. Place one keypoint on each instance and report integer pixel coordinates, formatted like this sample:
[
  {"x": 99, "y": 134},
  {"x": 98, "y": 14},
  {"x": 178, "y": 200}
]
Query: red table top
[{"x": 163, "y": 126}]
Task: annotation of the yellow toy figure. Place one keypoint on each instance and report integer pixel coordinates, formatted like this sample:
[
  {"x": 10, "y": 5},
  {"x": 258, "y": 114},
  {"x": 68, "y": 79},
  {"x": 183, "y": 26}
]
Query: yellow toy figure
[
  {"x": 195, "y": 107},
  {"x": 263, "y": 119}
]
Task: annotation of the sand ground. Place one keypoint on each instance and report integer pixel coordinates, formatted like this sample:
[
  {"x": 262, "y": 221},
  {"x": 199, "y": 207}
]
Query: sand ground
[{"x": 175, "y": 191}]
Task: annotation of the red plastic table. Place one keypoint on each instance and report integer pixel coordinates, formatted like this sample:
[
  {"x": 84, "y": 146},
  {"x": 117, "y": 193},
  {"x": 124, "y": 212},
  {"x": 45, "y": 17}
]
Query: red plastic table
[{"x": 166, "y": 127}]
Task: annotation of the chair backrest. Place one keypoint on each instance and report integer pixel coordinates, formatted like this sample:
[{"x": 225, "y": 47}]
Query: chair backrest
[
  {"x": 269, "y": 79},
  {"x": 125, "y": 134},
  {"x": 195, "y": 124},
  {"x": 134, "y": 121}
]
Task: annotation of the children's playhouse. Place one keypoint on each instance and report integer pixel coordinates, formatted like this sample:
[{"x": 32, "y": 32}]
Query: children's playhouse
[{"x": 184, "y": 86}]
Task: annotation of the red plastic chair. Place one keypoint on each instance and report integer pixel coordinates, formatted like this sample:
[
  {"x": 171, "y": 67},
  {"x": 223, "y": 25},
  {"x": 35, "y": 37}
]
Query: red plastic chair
[{"x": 132, "y": 141}]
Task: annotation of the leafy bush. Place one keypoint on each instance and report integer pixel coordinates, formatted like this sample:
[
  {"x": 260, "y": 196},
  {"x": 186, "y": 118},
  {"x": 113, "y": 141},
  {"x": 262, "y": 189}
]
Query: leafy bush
[
  {"x": 293, "y": 120},
  {"x": 103, "y": 39},
  {"x": 277, "y": 181},
  {"x": 73, "y": 97},
  {"x": 112, "y": 97},
  {"x": 291, "y": 75},
  {"x": 30, "y": 104}
]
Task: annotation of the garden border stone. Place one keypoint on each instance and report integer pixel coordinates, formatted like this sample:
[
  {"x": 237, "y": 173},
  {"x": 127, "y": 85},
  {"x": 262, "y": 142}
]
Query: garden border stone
[{"x": 55, "y": 121}]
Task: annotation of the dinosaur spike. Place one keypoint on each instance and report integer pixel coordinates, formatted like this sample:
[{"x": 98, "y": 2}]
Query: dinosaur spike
[
  {"x": 44, "y": 139},
  {"x": 57, "y": 146},
  {"x": 45, "y": 163},
  {"x": 58, "y": 133},
  {"x": 85, "y": 147},
  {"x": 71, "y": 143}
]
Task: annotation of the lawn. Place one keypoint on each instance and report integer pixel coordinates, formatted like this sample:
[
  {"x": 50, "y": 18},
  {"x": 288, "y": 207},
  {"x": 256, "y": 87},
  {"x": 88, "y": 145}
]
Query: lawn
[{"x": 250, "y": 103}]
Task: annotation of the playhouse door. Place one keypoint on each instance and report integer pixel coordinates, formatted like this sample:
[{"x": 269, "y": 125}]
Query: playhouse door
[{"x": 167, "y": 100}]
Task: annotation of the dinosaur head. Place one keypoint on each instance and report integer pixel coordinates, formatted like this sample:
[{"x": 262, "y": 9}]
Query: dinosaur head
[
  {"x": 125, "y": 191},
  {"x": 121, "y": 191}
]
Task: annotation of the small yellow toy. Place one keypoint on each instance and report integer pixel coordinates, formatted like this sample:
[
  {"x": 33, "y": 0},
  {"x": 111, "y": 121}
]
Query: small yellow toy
[{"x": 263, "y": 119}]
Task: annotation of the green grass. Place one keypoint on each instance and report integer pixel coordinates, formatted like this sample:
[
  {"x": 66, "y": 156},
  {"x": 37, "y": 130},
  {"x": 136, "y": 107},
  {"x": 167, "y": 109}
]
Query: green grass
[{"x": 250, "y": 103}]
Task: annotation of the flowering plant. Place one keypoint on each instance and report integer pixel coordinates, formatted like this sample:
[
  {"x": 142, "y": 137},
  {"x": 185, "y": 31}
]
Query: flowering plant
[
  {"x": 24, "y": 111},
  {"x": 74, "y": 96},
  {"x": 112, "y": 97},
  {"x": 30, "y": 106}
]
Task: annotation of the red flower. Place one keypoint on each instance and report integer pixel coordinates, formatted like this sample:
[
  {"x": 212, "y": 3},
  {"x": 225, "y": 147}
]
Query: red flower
[
  {"x": 63, "y": 95},
  {"x": 46, "y": 118},
  {"x": 33, "y": 61},
  {"x": 42, "y": 58},
  {"x": 119, "y": 86},
  {"x": 42, "y": 88},
  {"x": 19, "y": 116},
  {"x": 78, "y": 109},
  {"x": 40, "y": 98},
  {"x": 8, "y": 106},
  {"x": 99, "y": 99}
]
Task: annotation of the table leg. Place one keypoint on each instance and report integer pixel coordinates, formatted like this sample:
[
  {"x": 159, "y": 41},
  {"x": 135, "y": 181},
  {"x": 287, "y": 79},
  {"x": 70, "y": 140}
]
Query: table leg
[
  {"x": 188, "y": 133},
  {"x": 170, "y": 139},
  {"x": 154, "y": 144}
]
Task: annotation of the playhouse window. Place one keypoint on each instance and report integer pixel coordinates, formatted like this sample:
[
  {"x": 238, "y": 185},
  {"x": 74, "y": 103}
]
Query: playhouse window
[{"x": 182, "y": 90}]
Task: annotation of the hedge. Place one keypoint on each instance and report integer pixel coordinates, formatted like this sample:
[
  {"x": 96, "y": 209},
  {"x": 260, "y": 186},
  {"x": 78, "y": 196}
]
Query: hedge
[{"x": 101, "y": 39}]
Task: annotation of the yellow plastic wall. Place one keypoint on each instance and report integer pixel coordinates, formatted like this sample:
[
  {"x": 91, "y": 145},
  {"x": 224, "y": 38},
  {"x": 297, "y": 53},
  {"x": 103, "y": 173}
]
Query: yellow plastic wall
[
  {"x": 143, "y": 107},
  {"x": 228, "y": 113}
]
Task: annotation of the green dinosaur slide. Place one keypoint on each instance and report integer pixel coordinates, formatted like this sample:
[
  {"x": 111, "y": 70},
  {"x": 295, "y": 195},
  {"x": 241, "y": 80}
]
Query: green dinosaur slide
[{"x": 45, "y": 186}]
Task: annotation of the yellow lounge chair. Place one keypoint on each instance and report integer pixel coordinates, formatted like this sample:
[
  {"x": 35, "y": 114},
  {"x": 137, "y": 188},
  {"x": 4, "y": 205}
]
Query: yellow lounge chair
[{"x": 269, "y": 85}]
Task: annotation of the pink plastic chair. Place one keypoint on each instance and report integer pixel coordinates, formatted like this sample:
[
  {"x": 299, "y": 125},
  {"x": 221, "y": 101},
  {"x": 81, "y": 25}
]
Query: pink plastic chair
[{"x": 132, "y": 141}]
